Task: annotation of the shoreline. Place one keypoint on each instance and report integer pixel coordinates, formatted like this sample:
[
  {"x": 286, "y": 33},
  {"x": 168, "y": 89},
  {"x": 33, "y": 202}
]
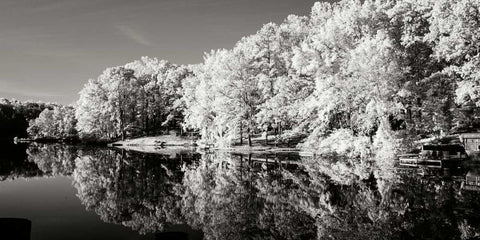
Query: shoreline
[{"x": 164, "y": 142}]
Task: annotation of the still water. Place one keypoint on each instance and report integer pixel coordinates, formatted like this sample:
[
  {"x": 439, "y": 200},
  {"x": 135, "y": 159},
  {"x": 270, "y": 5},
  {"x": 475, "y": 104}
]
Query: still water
[{"x": 72, "y": 192}]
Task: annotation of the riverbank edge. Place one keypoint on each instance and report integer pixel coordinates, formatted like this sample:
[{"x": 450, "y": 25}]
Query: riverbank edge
[{"x": 167, "y": 141}]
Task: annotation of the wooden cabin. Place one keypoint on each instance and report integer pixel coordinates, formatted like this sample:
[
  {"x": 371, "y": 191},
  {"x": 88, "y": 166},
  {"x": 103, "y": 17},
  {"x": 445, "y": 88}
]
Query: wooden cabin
[{"x": 471, "y": 142}]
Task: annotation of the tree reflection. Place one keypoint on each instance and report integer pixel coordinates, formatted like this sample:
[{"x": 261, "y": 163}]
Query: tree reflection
[
  {"x": 53, "y": 159},
  {"x": 229, "y": 196},
  {"x": 228, "y": 199},
  {"x": 14, "y": 163},
  {"x": 135, "y": 190}
]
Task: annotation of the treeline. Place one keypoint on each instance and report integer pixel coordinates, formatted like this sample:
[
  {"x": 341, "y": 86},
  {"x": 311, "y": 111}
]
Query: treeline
[
  {"x": 15, "y": 116},
  {"x": 351, "y": 77},
  {"x": 140, "y": 98}
]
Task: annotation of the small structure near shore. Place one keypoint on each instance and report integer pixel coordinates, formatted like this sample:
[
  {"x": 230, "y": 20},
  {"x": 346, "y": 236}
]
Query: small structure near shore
[
  {"x": 434, "y": 156},
  {"x": 18, "y": 140},
  {"x": 472, "y": 180},
  {"x": 444, "y": 152},
  {"x": 471, "y": 142}
]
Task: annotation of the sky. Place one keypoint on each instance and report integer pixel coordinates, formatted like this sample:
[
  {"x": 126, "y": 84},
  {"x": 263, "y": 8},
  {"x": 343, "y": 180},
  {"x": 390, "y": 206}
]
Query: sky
[{"x": 50, "y": 48}]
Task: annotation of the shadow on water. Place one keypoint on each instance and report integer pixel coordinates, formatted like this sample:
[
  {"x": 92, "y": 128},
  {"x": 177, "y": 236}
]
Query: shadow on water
[
  {"x": 15, "y": 228},
  {"x": 218, "y": 195},
  {"x": 14, "y": 162}
]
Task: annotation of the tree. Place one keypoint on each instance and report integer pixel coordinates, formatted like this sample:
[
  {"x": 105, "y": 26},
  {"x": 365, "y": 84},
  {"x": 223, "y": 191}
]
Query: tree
[{"x": 200, "y": 96}]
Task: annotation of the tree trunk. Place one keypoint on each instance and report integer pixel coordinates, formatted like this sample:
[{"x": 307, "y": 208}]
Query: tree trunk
[
  {"x": 249, "y": 138},
  {"x": 241, "y": 134},
  {"x": 266, "y": 137},
  {"x": 146, "y": 117},
  {"x": 122, "y": 127}
]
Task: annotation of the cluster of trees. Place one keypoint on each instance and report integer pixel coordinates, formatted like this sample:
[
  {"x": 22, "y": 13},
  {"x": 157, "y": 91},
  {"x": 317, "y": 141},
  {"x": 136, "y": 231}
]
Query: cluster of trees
[
  {"x": 238, "y": 92},
  {"x": 56, "y": 123},
  {"x": 15, "y": 116},
  {"x": 141, "y": 97},
  {"x": 352, "y": 70}
]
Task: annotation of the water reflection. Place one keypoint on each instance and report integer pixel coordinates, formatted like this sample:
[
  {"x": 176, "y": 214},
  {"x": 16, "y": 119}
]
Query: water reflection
[
  {"x": 133, "y": 189},
  {"x": 14, "y": 163},
  {"x": 230, "y": 199},
  {"x": 229, "y": 196},
  {"x": 53, "y": 160}
]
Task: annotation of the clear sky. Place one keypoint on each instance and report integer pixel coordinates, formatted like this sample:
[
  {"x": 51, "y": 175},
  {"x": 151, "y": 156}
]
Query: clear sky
[{"x": 50, "y": 48}]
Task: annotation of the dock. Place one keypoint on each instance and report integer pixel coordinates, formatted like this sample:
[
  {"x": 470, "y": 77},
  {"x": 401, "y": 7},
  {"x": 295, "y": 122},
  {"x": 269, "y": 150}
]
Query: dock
[
  {"x": 415, "y": 160},
  {"x": 436, "y": 156}
]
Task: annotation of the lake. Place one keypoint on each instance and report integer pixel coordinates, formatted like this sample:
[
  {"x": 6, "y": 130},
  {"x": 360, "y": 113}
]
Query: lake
[{"x": 78, "y": 192}]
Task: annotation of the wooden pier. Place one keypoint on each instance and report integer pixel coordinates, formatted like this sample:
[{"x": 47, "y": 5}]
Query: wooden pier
[
  {"x": 432, "y": 163},
  {"x": 435, "y": 156},
  {"x": 417, "y": 161}
]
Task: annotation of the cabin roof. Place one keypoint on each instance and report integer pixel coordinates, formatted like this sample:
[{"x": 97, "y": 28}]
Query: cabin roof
[
  {"x": 474, "y": 172},
  {"x": 470, "y": 135},
  {"x": 444, "y": 147}
]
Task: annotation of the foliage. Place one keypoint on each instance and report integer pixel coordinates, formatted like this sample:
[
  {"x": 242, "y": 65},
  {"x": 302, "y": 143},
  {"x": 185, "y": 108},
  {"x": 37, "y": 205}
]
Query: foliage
[
  {"x": 56, "y": 123},
  {"x": 401, "y": 68},
  {"x": 15, "y": 116},
  {"x": 138, "y": 98}
]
